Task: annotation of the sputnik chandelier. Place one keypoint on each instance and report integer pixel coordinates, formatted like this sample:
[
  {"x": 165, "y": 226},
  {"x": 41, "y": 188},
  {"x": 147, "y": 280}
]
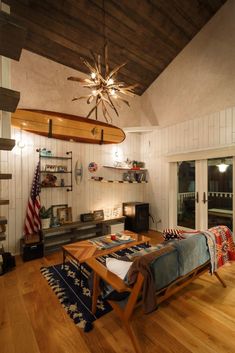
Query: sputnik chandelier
[{"x": 106, "y": 90}]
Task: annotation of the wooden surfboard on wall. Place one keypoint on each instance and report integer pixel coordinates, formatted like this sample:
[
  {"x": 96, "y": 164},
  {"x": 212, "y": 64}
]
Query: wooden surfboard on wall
[{"x": 66, "y": 127}]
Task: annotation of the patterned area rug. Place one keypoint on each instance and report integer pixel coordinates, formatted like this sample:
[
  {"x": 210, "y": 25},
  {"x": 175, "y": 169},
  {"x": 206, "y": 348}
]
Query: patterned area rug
[{"x": 72, "y": 288}]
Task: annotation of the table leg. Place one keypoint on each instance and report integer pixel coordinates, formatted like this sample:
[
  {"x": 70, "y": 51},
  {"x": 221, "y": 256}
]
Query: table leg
[{"x": 96, "y": 291}]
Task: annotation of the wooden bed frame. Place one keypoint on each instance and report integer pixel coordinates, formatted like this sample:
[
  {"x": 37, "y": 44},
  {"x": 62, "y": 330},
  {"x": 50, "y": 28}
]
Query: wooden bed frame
[{"x": 126, "y": 313}]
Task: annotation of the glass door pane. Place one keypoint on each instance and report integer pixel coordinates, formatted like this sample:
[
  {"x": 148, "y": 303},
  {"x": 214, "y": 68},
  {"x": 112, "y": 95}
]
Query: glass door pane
[
  {"x": 220, "y": 192},
  {"x": 186, "y": 194}
]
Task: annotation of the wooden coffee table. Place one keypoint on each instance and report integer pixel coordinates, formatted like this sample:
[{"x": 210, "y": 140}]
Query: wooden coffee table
[{"x": 83, "y": 250}]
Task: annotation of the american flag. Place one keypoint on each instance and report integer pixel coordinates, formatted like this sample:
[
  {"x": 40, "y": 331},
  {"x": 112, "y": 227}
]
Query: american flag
[{"x": 32, "y": 221}]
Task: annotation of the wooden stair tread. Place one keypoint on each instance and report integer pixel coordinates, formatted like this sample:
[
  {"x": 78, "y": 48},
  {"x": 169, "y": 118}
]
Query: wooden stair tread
[
  {"x": 3, "y": 220},
  {"x": 5, "y": 176},
  {"x": 6, "y": 144},
  {"x": 2, "y": 237},
  {"x": 4, "y": 202},
  {"x": 9, "y": 99},
  {"x": 12, "y": 36}
]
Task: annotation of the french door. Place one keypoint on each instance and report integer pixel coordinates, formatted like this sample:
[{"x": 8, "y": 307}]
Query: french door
[{"x": 204, "y": 193}]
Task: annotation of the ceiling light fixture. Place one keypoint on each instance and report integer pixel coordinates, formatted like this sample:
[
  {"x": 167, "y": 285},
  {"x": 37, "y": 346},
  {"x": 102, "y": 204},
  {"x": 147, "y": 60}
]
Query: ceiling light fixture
[
  {"x": 103, "y": 83},
  {"x": 222, "y": 166}
]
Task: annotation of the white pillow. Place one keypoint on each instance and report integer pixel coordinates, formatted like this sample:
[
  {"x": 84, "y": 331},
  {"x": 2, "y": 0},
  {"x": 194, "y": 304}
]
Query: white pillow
[{"x": 119, "y": 267}]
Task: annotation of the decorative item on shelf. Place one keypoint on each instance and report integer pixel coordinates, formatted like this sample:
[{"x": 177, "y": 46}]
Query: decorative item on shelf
[
  {"x": 45, "y": 216},
  {"x": 50, "y": 168},
  {"x": 49, "y": 180},
  {"x": 98, "y": 215},
  {"x": 140, "y": 177},
  {"x": 78, "y": 172},
  {"x": 54, "y": 219},
  {"x": 137, "y": 165},
  {"x": 87, "y": 217},
  {"x": 126, "y": 177},
  {"x": 62, "y": 183},
  {"x": 118, "y": 164},
  {"x": 62, "y": 168},
  {"x": 64, "y": 215},
  {"x": 92, "y": 167},
  {"x": 98, "y": 178},
  {"x": 44, "y": 152}
]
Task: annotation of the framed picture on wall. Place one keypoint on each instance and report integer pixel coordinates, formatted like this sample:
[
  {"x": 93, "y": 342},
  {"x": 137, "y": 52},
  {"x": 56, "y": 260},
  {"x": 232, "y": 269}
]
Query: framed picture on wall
[{"x": 64, "y": 215}]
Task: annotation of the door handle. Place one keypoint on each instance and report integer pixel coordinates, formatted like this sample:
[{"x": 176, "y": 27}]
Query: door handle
[
  {"x": 197, "y": 197},
  {"x": 204, "y": 197}
]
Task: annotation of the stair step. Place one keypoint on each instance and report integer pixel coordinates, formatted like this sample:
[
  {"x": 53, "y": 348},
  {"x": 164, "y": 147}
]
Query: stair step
[
  {"x": 4, "y": 202},
  {"x": 2, "y": 237},
  {"x": 5, "y": 176},
  {"x": 3, "y": 220},
  {"x": 6, "y": 144},
  {"x": 9, "y": 99}
]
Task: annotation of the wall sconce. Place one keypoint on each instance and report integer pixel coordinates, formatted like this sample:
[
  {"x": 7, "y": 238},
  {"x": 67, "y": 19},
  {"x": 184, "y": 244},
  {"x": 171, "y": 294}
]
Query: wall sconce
[
  {"x": 222, "y": 166},
  {"x": 20, "y": 144}
]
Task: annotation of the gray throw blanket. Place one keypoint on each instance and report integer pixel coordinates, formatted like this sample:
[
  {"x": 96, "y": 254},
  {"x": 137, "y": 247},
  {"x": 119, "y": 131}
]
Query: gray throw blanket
[{"x": 142, "y": 264}]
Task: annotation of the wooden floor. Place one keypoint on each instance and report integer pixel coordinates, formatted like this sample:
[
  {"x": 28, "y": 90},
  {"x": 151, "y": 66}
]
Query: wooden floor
[{"x": 199, "y": 319}]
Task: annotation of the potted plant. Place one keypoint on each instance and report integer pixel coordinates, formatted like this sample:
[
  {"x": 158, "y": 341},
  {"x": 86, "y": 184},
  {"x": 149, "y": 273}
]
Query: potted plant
[{"x": 45, "y": 216}]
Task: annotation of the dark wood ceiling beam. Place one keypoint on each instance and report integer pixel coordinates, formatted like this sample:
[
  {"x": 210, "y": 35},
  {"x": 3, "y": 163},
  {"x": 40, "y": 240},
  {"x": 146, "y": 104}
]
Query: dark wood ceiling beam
[
  {"x": 12, "y": 37},
  {"x": 213, "y": 5},
  {"x": 173, "y": 13},
  {"x": 146, "y": 15},
  {"x": 196, "y": 11},
  {"x": 147, "y": 33},
  {"x": 138, "y": 55},
  {"x": 40, "y": 45},
  {"x": 134, "y": 40},
  {"x": 40, "y": 22},
  {"x": 120, "y": 39}
]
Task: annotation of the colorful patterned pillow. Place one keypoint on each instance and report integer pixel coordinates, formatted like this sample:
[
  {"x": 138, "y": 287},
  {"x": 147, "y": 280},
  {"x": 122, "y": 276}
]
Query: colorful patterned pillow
[{"x": 173, "y": 233}]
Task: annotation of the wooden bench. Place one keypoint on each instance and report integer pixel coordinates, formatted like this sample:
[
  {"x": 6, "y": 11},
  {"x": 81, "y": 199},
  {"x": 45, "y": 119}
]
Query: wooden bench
[{"x": 126, "y": 313}]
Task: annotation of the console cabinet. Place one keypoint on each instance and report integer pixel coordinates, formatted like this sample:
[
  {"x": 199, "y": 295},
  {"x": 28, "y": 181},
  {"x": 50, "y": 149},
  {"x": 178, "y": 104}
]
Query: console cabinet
[{"x": 53, "y": 238}]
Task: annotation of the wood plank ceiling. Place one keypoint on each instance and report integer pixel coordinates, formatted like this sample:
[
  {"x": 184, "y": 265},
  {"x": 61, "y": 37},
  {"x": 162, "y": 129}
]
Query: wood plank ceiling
[{"x": 147, "y": 33}]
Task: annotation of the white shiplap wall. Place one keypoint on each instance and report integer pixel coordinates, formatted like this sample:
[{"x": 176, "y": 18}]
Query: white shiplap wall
[
  {"x": 212, "y": 131},
  {"x": 87, "y": 196}
]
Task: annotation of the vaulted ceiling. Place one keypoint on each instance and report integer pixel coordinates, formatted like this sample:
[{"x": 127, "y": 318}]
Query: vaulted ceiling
[{"x": 148, "y": 34}]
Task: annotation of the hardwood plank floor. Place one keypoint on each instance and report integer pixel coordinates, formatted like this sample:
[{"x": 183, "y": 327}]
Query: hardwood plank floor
[{"x": 199, "y": 319}]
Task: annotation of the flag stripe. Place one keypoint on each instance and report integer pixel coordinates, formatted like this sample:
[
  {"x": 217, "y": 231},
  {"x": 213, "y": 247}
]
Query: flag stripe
[{"x": 32, "y": 220}]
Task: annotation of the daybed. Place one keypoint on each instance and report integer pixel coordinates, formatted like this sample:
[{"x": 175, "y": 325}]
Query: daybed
[{"x": 185, "y": 261}]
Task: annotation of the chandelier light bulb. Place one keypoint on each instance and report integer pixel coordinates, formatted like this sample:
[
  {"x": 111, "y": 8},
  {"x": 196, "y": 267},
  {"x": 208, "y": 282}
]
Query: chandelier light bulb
[
  {"x": 104, "y": 86},
  {"x": 110, "y": 81}
]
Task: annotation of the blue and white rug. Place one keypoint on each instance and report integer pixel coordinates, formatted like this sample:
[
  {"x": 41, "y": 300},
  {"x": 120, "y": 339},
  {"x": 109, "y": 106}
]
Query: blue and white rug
[{"x": 72, "y": 288}]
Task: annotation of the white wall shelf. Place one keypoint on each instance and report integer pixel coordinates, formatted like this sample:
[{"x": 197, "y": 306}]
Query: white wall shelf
[
  {"x": 119, "y": 181},
  {"x": 128, "y": 169}
]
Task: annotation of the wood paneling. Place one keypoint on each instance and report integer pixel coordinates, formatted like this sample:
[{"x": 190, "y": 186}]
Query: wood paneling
[
  {"x": 147, "y": 34},
  {"x": 85, "y": 197},
  {"x": 213, "y": 131}
]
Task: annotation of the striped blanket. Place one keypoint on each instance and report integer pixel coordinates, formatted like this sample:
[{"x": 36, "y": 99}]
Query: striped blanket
[{"x": 221, "y": 246}]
